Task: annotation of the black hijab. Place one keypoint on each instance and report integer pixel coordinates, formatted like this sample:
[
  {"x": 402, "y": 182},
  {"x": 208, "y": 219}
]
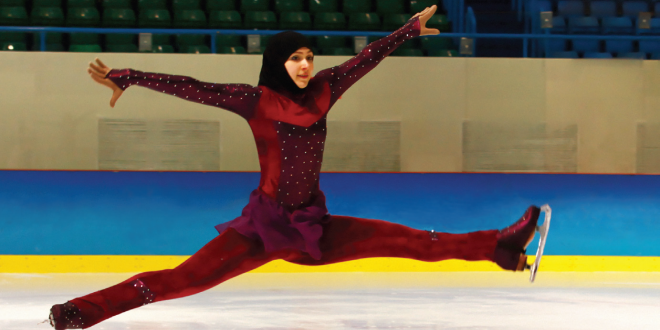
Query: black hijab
[{"x": 273, "y": 73}]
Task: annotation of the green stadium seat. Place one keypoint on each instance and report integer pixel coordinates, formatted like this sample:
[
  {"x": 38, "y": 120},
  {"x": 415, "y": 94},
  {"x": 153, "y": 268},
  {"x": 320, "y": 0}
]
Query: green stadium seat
[
  {"x": 295, "y": 21},
  {"x": 330, "y": 21},
  {"x": 13, "y": 16},
  {"x": 152, "y": 4},
  {"x": 324, "y": 42},
  {"x": 13, "y": 36},
  {"x": 357, "y": 6},
  {"x": 12, "y": 3},
  {"x": 212, "y": 5},
  {"x": 85, "y": 48},
  {"x": 417, "y": 6},
  {"x": 119, "y": 17},
  {"x": 228, "y": 40},
  {"x": 155, "y": 18},
  {"x": 56, "y": 47},
  {"x": 189, "y": 19},
  {"x": 195, "y": 49},
  {"x": 391, "y": 22},
  {"x": 161, "y": 39},
  {"x": 121, "y": 48},
  {"x": 88, "y": 16},
  {"x": 47, "y": 16},
  {"x": 323, "y": 6},
  {"x": 439, "y": 22},
  {"x": 282, "y": 6},
  {"x": 390, "y": 7},
  {"x": 84, "y": 42},
  {"x": 13, "y": 46},
  {"x": 53, "y": 41},
  {"x": 80, "y": 3},
  {"x": 191, "y": 43},
  {"x": 162, "y": 49},
  {"x": 189, "y": 39},
  {"x": 232, "y": 50},
  {"x": 186, "y": 4},
  {"x": 84, "y": 39},
  {"x": 341, "y": 51},
  {"x": 407, "y": 52},
  {"x": 225, "y": 19},
  {"x": 262, "y": 20},
  {"x": 116, "y": 4},
  {"x": 46, "y": 3},
  {"x": 160, "y": 43},
  {"x": 254, "y": 5},
  {"x": 443, "y": 53},
  {"x": 364, "y": 22},
  {"x": 120, "y": 38},
  {"x": 435, "y": 43}
]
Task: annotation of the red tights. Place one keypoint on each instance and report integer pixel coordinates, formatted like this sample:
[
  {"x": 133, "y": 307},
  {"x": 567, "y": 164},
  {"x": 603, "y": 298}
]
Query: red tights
[{"x": 231, "y": 254}]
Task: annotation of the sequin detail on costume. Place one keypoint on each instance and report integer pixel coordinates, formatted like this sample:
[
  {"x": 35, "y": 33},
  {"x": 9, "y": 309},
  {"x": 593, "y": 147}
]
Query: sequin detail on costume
[
  {"x": 302, "y": 157},
  {"x": 66, "y": 316},
  {"x": 147, "y": 294}
]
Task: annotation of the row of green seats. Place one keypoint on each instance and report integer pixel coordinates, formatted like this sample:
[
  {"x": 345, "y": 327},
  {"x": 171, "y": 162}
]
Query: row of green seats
[
  {"x": 320, "y": 6},
  {"x": 203, "y": 49},
  {"x": 324, "y": 45},
  {"x": 279, "y": 6},
  {"x": 160, "y": 18}
]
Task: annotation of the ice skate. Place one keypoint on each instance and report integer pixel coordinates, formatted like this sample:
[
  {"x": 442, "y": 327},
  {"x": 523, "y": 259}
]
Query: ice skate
[
  {"x": 512, "y": 241},
  {"x": 543, "y": 230}
]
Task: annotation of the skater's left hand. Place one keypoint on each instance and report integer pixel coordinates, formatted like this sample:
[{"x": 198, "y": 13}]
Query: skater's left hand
[
  {"x": 98, "y": 72},
  {"x": 424, "y": 16}
]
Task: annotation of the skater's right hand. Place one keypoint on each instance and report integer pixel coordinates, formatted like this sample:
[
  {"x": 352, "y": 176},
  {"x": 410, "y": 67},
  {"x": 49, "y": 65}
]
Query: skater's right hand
[
  {"x": 99, "y": 73},
  {"x": 424, "y": 16}
]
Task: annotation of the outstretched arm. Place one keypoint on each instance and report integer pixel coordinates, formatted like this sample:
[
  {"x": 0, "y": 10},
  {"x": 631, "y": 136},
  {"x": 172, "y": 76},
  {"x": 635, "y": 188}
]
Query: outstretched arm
[
  {"x": 343, "y": 76},
  {"x": 238, "y": 98}
]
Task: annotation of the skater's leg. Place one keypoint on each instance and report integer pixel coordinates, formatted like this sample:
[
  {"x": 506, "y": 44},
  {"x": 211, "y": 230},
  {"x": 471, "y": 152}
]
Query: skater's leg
[
  {"x": 348, "y": 238},
  {"x": 226, "y": 256}
]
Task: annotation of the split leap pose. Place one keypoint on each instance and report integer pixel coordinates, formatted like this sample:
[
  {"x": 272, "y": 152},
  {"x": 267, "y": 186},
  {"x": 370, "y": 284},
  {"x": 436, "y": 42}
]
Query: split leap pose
[{"x": 286, "y": 217}]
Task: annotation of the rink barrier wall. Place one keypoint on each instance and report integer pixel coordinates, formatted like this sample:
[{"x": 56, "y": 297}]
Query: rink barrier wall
[
  {"x": 138, "y": 264},
  {"x": 447, "y": 114},
  {"x": 103, "y": 221}
]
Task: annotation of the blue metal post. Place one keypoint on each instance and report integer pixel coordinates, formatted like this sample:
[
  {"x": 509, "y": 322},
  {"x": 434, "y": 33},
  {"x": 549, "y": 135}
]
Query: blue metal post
[
  {"x": 213, "y": 51},
  {"x": 42, "y": 41}
]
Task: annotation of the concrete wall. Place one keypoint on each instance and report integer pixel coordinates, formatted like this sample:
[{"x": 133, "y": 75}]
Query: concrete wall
[{"x": 449, "y": 114}]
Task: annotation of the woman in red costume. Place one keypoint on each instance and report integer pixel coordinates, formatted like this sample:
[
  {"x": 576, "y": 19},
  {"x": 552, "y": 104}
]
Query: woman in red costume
[{"x": 286, "y": 217}]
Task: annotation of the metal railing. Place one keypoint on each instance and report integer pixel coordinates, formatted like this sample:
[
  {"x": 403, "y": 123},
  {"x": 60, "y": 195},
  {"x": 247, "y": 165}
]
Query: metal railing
[{"x": 526, "y": 38}]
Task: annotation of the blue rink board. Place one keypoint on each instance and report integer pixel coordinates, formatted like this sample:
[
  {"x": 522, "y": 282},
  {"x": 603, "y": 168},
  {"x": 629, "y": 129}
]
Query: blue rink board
[{"x": 173, "y": 213}]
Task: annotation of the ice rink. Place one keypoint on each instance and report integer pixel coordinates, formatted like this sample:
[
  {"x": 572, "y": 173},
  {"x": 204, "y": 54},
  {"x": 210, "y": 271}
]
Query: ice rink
[{"x": 445, "y": 300}]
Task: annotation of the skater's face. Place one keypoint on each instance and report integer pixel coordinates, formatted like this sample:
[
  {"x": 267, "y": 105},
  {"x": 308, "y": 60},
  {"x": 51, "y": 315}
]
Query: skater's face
[{"x": 300, "y": 66}]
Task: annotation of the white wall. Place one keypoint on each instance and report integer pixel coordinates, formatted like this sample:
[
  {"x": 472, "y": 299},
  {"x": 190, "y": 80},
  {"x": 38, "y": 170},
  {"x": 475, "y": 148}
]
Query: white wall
[{"x": 50, "y": 108}]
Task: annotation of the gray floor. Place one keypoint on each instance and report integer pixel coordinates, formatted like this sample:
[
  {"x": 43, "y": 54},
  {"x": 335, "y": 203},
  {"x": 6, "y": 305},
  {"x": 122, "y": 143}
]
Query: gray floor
[{"x": 363, "y": 301}]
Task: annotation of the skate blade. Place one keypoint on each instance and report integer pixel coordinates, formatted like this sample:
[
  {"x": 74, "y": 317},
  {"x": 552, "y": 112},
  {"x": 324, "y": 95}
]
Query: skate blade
[{"x": 543, "y": 230}]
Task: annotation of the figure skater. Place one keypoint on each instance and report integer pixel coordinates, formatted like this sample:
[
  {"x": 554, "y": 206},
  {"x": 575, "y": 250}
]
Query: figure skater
[{"x": 286, "y": 216}]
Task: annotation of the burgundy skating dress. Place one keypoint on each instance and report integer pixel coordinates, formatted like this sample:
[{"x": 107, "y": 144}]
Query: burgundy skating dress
[{"x": 288, "y": 209}]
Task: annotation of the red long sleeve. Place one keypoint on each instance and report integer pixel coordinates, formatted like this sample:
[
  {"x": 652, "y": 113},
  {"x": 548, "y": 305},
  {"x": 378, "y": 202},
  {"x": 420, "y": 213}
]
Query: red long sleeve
[
  {"x": 343, "y": 76},
  {"x": 238, "y": 98}
]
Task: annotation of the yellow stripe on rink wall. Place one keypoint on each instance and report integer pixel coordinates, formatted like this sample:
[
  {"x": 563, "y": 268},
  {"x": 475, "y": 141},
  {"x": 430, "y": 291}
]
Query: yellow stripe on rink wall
[{"x": 132, "y": 264}]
